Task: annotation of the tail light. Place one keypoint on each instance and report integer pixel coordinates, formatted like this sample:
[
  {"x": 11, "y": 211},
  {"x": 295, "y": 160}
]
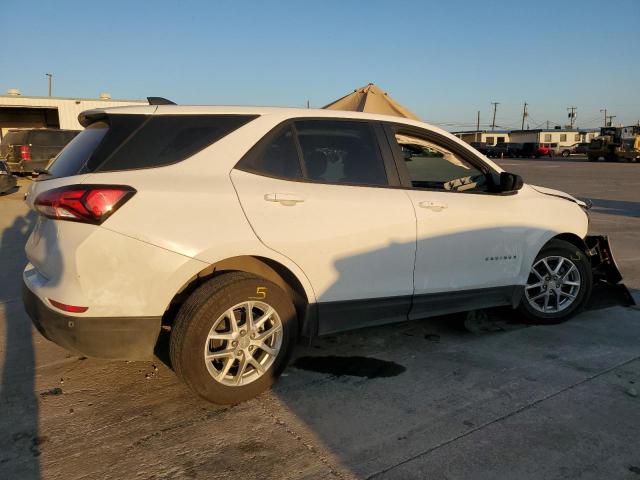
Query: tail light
[
  {"x": 25, "y": 152},
  {"x": 83, "y": 203},
  {"x": 68, "y": 308}
]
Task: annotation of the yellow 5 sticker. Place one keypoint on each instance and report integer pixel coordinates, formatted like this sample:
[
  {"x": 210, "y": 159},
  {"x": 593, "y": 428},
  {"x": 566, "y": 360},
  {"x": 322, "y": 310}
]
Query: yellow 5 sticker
[{"x": 261, "y": 293}]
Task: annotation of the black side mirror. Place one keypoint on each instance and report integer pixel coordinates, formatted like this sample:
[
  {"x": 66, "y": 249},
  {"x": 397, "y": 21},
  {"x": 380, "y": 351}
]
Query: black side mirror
[{"x": 510, "y": 182}]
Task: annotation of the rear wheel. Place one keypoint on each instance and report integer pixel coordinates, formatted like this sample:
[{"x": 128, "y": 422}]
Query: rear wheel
[
  {"x": 559, "y": 284},
  {"x": 233, "y": 337},
  {"x": 565, "y": 153}
]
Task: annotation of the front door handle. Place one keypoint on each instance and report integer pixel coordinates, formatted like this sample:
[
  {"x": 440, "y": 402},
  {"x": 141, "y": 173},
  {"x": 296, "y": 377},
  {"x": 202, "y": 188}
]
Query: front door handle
[
  {"x": 431, "y": 205},
  {"x": 287, "y": 199}
]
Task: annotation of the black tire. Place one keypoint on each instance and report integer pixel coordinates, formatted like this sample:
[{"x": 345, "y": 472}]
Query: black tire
[
  {"x": 565, "y": 153},
  {"x": 580, "y": 260},
  {"x": 196, "y": 318}
]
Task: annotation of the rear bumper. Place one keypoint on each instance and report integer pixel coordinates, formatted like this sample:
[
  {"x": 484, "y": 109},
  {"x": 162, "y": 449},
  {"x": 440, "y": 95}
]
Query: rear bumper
[{"x": 127, "y": 338}]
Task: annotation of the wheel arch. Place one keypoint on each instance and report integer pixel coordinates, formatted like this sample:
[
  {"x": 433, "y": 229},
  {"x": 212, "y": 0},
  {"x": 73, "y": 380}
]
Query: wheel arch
[
  {"x": 571, "y": 238},
  {"x": 263, "y": 267}
]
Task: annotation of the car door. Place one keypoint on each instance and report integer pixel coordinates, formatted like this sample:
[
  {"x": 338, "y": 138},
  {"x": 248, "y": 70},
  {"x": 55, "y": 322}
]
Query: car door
[
  {"x": 322, "y": 193},
  {"x": 469, "y": 241}
]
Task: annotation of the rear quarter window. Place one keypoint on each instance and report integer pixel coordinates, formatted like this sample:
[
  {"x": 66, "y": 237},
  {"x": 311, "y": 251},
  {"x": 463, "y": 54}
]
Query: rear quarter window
[
  {"x": 166, "y": 139},
  {"x": 128, "y": 142}
]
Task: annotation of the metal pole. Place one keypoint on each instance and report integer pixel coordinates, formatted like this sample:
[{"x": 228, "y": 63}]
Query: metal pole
[
  {"x": 478, "y": 126},
  {"x": 572, "y": 115},
  {"x": 524, "y": 114},
  {"x": 50, "y": 78},
  {"x": 605, "y": 116},
  {"x": 495, "y": 107}
]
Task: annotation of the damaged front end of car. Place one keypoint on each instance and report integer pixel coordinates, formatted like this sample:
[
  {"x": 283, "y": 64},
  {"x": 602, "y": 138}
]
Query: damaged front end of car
[{"x": 605, "y": 270}]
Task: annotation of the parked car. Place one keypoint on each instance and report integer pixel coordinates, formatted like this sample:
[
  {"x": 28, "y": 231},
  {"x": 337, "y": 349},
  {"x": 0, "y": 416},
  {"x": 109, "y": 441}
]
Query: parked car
[
  {"x": 242, "y": 229},
  {"x": 581, "y": 148},
  {"x": 25, "y": 151},
  {"x": 546, "y": 150},
  {"x": 7, "y": 181},
  {"x": 482, "y": 147}
]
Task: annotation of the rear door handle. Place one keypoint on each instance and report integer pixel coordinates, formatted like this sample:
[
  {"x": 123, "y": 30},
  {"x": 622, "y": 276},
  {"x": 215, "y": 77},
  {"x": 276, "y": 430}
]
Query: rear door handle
[
  {"x": 287, "y": 199},
  {"x": 432, "y": 205}
]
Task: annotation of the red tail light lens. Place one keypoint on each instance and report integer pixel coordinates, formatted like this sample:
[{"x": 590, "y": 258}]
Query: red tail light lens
[
  {"x": 83, "y": 203},
  {"x": 25, "y": 152},
  {"x": 68, "y": 308}
]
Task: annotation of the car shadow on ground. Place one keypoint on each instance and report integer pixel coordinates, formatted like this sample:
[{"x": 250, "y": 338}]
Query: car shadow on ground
[{"x": 20, "y": 439}]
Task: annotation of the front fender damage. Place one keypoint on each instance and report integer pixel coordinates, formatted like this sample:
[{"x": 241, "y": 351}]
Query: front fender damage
[{"x": 604, "y": 267}]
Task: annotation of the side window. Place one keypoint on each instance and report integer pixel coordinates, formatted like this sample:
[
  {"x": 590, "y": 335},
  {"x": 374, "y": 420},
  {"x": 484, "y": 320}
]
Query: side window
[
  {"x": 337, "y": 151},
  {"x": 279, "y": 158},
  {"x": 435, "y": 167}
]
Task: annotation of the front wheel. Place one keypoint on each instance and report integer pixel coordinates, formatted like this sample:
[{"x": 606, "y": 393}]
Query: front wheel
[
  {"x": 559, "y": 284},
  {"x": 233, "y": 337},
  {"x": 565, "y": 153}
]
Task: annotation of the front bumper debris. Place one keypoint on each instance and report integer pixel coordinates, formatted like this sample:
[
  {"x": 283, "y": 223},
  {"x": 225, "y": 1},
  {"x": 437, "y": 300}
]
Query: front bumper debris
[{"x": 604, "y": 267}]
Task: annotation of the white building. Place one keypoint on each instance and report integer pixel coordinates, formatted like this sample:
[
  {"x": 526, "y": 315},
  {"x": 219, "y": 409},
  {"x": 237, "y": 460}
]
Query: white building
[
  {"x": 490, "y": 137},
  {"x": 18, "y": 111},
  {"x": 563, "y": 137}
]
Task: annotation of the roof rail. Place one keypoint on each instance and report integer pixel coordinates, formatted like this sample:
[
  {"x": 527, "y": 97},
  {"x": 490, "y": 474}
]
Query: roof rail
[{"x": 159, "y": 101}]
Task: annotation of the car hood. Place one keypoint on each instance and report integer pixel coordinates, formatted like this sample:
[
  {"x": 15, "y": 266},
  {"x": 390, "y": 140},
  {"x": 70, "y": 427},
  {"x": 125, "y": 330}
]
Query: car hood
[{"x": 560, "y": 194}]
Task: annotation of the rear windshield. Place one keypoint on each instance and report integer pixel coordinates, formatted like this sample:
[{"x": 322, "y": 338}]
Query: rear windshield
[
  {"x": 126, "y": 142},
  {"x": 14, "y": 138}
]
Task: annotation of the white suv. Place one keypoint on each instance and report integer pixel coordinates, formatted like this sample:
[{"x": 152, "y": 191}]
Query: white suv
[{"x": 244, "y": 229}]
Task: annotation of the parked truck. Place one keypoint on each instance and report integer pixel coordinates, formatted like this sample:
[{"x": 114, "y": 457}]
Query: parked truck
[{"x": 616, "y": 144}]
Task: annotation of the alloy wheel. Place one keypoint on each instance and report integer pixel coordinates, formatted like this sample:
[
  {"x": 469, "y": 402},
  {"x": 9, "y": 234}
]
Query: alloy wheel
[
  {"x": 243, "y": 343},
  {"x": 553, "y": 285}
]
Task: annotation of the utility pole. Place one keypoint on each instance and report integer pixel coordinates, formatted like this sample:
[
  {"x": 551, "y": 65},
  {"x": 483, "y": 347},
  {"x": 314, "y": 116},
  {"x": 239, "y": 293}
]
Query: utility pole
[
  {"x": 477, "y": 126},
  {"x": 524, "y": 114},
  {"x": 547, "y": 124},
  {"x": 610, "y": 117},
  {"x": 572, "y": 115},
  {"x": 495, "y": 107},
  {"x": 50, "y": 78},
  {"x": 605, "y": 116}
]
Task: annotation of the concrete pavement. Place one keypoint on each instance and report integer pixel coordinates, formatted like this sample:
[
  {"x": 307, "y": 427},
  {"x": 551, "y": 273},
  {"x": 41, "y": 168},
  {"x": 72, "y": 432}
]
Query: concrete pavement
[{"x": 426, "y": 399}]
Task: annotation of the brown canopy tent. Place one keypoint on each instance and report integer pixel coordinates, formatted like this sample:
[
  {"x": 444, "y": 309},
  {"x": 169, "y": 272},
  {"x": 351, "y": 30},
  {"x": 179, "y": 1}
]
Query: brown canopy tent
[{"x": 373, "y": 100}]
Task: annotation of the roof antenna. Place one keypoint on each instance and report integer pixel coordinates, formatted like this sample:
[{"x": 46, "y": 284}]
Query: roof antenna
[{"x": 159, "y": 101}]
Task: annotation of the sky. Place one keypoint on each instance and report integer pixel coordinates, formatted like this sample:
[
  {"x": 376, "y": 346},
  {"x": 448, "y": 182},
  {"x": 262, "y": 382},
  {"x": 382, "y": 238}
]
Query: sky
[{"x": 444, "y": 60}]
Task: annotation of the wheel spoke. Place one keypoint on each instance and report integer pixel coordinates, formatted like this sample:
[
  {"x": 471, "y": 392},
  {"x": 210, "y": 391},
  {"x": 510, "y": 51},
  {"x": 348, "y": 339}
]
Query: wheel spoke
[
  {"x": 546, "y": 265},
  {"x": 571, "y": 269},
  {"x": 535, "y": 272},
  {"x": 263, "y": 346},
  {"x": 228, "y": 352},
  {"x": 263, "y": 318},
  {"x": 540, "y": 295},
  {"x": 535, "y": 285},
  {"x": 241, "y": 368},
  {"x": 559, "y": 265},
  {"x": 571, "y": 283},
  {"x": 256, "y": 364},
  {"x": 225, "y": 369},
  {"x": 249, "y": 307},
  {"x": 268, "y": 333},
  {"x": 220, "y": 336},
  {"x": 546, "y": 301},
  {"x": 568, "y": 295},
  {"x": 233, "y": 323}
]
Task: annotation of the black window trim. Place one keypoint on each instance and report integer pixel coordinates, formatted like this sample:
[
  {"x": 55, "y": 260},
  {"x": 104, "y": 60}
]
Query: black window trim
[
  {"x": 391, "y": 128},
  {"x": 389, "y": 164}
]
